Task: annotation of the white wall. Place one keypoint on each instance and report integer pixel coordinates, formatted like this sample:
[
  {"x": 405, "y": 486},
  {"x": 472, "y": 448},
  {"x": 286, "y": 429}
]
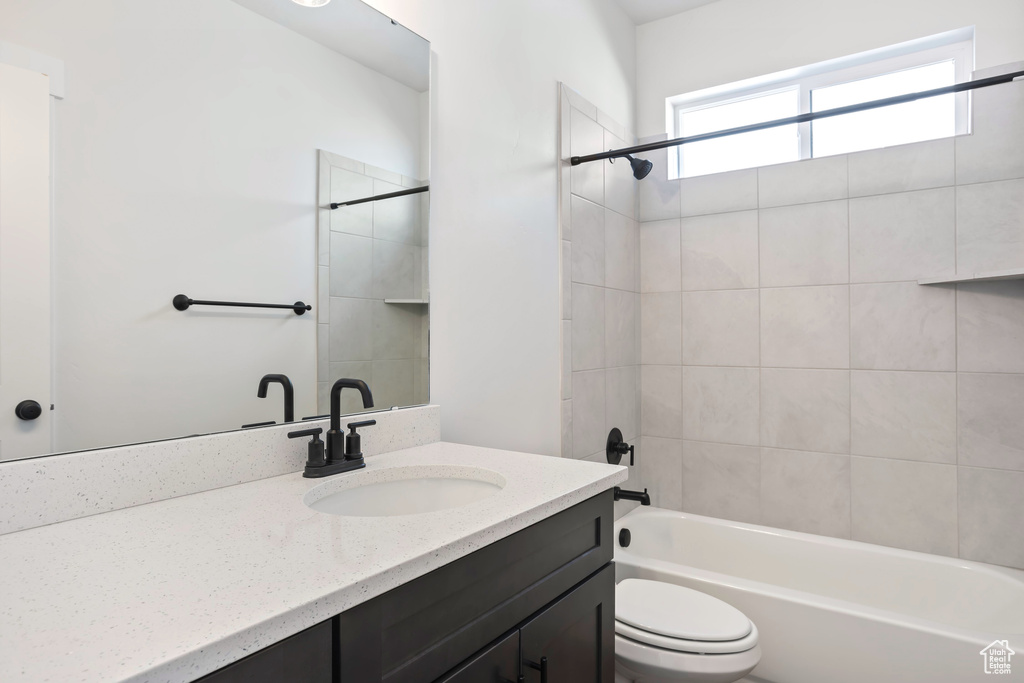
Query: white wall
[
  {"x": 186, "y": 163},
  {"x": 731, "y": 40},
  {"x": 494, "y": 229}
]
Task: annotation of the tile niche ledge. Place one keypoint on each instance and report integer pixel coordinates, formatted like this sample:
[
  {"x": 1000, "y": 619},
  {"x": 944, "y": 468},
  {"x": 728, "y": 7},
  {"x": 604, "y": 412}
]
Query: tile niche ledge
[{"x": 989, "y": 276}]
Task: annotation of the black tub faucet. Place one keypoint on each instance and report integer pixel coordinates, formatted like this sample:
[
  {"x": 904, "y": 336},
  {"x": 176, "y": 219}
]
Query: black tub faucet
[
  {"x": 289, "y": 393},
  {"x": 336, "y": 436}
]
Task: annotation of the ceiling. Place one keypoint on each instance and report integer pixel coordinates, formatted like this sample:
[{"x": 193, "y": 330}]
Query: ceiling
[
  {"x": 356, "y": 30},
  {"x": 642, "y": 11}
]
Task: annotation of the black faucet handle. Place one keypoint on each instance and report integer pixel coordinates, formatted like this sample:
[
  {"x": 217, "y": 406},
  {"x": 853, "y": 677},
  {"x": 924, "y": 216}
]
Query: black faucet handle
[
  {"x": 358, "y": 425},
  {"x": 315, "y": 457},
  {"x": 306, "y": 432},
  {"x": 353, "y": 442}
]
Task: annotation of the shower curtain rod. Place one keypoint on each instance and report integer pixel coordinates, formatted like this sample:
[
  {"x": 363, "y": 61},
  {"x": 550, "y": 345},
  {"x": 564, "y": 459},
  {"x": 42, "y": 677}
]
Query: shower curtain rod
[
  {"x": 802, "y": 118},
  {"x": 389, "y": 195}
]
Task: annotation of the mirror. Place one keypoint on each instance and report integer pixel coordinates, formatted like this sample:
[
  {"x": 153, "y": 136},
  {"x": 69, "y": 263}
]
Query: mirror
[{"x": 160, "y": 162}]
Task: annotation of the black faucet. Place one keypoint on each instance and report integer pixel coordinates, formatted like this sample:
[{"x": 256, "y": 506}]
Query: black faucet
[
  {"x": 289, "y": 393},
  {"x": 336, "y": 436},
  {"x": 641, "y": 497}
]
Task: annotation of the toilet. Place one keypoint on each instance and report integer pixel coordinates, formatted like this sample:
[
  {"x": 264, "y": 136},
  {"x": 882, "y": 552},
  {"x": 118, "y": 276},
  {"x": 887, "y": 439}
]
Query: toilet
[{"x": 666, "y": 633}]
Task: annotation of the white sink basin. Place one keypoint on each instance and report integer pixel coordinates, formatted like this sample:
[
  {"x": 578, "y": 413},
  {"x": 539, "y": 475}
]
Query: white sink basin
[{"x": 411, "y": 490}]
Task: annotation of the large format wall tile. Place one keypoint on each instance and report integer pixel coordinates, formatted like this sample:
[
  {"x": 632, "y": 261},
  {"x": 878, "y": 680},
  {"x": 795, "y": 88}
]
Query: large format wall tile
[
  {"x": 995, "y": 149},
  {"x": 991, "y": 420},
  {"x": 660, "y": 328},
  {"x": 394, "y": 382},
  {"x": 396, "y": 270},
  {"x": 345, "y": 186},
  {"x": 990, "y": 327},
  {"x": 659, "y": 256},
  {"x": 619, "y": 184},
  {"x": 805, "y": 327},
  {"x": 586, "y": 137},
  {"x": 662, "y": 472},
  {"x": 903, "y": 236},
  {"x": 622, "y": 401},
  {"x": 917, "y": 166},
  {"x": 351, "y": 322},
  {"x": 718, "y": 193},
  {"x": 722, "y": 480},
  {"x": 902, "y": 326},
  {"x": 588, "y": 413},
  {"x": 659, "y": 196},
  {"x": 904, "y": 504},
  {"x": 802, "y": 182},
  {"x": 887, "y": 410},
  {"x": 621, "y": 252},
  {"x": 588, "y": 233},
  {"x": 661, "y": 401},
  {"x": 620, "y": 320},
  {"x": 587, "y": 327},
  {"x": 906, "y": 415},
  {"x": 807, "y": 244},
  {"x": 806, "y": 409},
  {"x": 991, "y": 510},
  {"x": 990, "y": 226},
  {"x": 721, "y": 405},
  {"x": 807, "y": 492},
  {"x": 396, "y": 331},
  {"x": 720, "y": 251},
  {"x": 351, "y": 266},
  {"x": 600, "y": 246},
  {"x": 397, "y": 219},
  {"x": 721, "y": 328}
]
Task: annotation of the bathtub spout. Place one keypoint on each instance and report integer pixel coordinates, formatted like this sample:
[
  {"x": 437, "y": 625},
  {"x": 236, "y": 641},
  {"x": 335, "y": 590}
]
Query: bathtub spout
[{"x": 643, "y": 498}]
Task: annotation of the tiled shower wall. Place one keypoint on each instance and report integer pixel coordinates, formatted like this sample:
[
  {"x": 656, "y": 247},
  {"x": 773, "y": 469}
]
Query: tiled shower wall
[
  {"x": 795, "y": 374},
  {"x": 600, "y": 286},
  {"x": 368, "y": 253}
]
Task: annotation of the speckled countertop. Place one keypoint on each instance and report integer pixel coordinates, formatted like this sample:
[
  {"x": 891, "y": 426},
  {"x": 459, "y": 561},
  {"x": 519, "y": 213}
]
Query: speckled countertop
[{"x": 173, "y": 590}]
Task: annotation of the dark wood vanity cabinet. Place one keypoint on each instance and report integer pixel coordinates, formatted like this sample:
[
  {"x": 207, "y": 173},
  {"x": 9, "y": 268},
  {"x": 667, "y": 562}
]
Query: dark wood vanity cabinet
[
  {"x": 305, "y": 657},
  {"x": 540, "y": 598}
]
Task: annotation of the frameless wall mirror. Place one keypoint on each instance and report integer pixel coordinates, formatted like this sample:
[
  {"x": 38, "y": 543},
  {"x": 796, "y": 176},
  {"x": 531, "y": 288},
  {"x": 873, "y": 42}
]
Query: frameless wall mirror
[{"x": 170, "y": 261}]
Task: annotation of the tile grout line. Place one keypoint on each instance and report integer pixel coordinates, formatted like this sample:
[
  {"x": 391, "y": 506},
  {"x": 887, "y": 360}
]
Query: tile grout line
[{"x": 956, "y": 347}]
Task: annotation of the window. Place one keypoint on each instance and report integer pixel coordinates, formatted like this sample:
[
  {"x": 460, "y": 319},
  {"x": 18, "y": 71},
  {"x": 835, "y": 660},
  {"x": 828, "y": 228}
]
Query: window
[{"x": 909, "y": 67}]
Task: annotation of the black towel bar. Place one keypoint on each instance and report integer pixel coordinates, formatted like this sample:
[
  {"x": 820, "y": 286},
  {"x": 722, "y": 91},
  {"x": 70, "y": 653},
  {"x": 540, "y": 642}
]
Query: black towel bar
[{"x": 182, "y": 302}]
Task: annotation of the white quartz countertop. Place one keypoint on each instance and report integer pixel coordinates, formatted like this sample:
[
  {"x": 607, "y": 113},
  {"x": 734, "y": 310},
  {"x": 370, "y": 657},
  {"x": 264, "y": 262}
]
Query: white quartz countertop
[{"x": 173, "y": 590}]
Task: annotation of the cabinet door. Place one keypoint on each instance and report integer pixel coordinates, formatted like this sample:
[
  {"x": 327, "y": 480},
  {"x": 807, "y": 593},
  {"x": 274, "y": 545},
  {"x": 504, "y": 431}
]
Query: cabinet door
[
  {"x": 574, "y": 638},
  {"x": 306, "y": 657},
  {"x": 498, "y": 663}
]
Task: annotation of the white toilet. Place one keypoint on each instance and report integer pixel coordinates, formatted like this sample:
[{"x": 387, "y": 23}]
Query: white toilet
[{"x": 666, "y": 633}]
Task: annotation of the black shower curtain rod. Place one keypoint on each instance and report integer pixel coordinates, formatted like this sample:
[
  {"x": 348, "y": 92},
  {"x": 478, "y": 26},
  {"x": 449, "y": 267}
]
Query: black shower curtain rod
[
  {"x": 389, "y": 195},
  {"x": 802, "y": 118}
]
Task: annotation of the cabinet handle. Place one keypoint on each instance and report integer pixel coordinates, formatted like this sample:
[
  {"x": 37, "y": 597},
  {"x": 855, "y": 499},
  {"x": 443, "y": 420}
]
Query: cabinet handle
[{"x": 542, "y": 667}]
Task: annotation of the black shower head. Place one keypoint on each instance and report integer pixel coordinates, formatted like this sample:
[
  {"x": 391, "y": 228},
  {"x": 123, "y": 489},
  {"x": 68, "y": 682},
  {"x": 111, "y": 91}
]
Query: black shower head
[{"x": 641, "y": 167}]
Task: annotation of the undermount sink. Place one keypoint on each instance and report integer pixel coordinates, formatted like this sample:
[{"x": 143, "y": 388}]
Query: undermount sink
[{"x": 410, "y": 490}]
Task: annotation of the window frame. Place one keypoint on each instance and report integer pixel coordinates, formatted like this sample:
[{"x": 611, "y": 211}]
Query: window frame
[{"x": 957, "y": 46}]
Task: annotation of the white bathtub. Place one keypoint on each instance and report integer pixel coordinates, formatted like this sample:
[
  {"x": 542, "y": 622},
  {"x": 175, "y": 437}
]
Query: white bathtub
[{"x": 836, "y": 611}]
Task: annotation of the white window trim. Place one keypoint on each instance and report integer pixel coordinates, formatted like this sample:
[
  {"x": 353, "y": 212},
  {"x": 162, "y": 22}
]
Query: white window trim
[{"x": 957, "y": 45}]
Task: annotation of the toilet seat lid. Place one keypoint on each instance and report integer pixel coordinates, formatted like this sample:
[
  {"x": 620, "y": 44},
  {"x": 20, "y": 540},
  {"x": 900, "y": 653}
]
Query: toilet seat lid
[{"x": 673, "y": 611}]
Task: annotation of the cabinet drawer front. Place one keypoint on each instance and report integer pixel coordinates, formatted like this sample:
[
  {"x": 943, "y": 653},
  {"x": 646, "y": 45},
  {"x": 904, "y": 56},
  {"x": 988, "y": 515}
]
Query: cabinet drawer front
[
  {"x": 306, "y": 657},
  {"x": 418, "y": 631}
]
